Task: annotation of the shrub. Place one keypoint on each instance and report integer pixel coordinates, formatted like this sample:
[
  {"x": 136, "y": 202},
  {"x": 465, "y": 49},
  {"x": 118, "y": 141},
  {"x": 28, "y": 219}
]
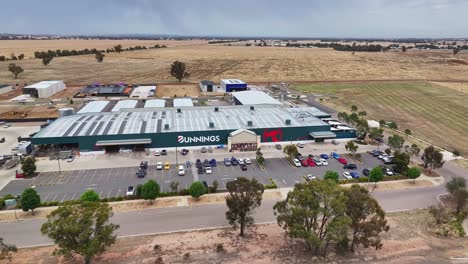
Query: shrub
[
  {"x": 220, "y": 248},
  {"x": 187, "y": 255},
  {"x": 138, "y": 191},
  {"x": 90, "y": 196},
  {"x": 197, "y": 189}
]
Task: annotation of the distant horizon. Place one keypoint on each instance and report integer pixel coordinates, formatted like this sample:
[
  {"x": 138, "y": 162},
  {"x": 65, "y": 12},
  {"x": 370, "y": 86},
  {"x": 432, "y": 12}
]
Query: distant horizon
[
  {"x": 224, "y": 36},
  {"x": 366, "y": 19}
]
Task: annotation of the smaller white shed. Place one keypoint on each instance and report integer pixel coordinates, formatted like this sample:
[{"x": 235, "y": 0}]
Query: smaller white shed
[
  {"x": 44, "y": 89},
  {"x": 124, "y": 104},
  {"x": 183, "y": 102},
  {"x": 373, "y": 124},
  {"x": 155, "y": 103}
]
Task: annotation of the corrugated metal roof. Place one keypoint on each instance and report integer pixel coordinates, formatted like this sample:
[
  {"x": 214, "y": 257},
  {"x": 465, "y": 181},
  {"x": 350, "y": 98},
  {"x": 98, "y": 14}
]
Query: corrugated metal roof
[
  {"x": 183, "y": 102},
  {"x": 94, "y": 107},
  {"x": 124, "y": 104},
  {"x": 44, "y": 84},
  {"x": 155, "y": 103},
  {"x": 153, "y": 120},
  {"x": 255, "y": 98}
]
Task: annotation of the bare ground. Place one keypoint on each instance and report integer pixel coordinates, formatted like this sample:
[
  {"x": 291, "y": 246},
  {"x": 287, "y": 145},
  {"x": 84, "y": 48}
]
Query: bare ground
[{"x": 408, "y": 241}]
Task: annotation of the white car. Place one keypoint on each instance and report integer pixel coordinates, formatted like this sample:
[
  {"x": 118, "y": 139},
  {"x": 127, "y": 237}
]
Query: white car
[
  {"x": 159, "y": 165},
  {"x": 181, "y": 170},
  {"x": 381, "y": 157},
  {"x": 347, "y": 175},
  {"x": 297, "y": 163},
  {"x": 241, "y": 161},
  {"x": 124, "y": 150},
  {"x": 310, "y": 177},
  {"x": 248, "y": 161},
  {"x": 130, "y": 191},
  {"x": 6, "y": 125},
  {"x": 389, "y": 172},
  {"x": 157, "y": 153},
  {"x": 318, "y": 162},
  {"x": 70, "y": 158},
  {"x": 208, "y": 170},
  {"x": 300, "y": 145},
  {"x": 324, "y": 162}
]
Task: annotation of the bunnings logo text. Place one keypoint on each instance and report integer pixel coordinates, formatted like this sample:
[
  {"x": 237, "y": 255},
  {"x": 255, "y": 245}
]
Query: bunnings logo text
[{"x": 202, "y": 139}]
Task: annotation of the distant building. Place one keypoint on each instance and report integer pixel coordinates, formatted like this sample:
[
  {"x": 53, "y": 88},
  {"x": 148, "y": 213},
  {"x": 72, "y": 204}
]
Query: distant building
[
  {"x": 44, "y": 89},
  {"x": 207, "y": 86},
  {"x": 254, "y": 98},
  {"x": 182, "y": 102},
  {"x": 233, "y": 85},
  {"x": 373, "y": 124},
  {"x": 5, "y": 88}
]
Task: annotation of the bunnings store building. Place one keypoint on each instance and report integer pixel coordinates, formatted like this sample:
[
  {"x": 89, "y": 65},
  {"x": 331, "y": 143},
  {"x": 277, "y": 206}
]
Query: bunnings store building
[{"x": 242, "y": 128}]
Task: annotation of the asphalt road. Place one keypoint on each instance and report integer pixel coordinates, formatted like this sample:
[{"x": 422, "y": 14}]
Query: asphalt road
[{"x": 26, "y": 233}]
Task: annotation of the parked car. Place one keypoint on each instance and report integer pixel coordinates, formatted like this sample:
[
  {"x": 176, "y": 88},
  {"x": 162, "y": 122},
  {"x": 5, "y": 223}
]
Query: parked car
[
  {"x": 203, "y": 150},
  {"x": 311, "y": 162},
  {"x": 300, "y": 145},
  {"x": 324, "y": 162},
  {"x": 354, "y": 174},
  {"x": 310, "y": 177},
  {"x": 70, "y": 158},
  {"x": 297, "y": 163},
  {"x": 299, "y": 156},
  {"x": 184, "y": 152},
  {"x": 372, "y": 152},
  {"x": 141, "y": 173},
  {"x": 241, "y": 161},
  {"x": 208, "y": 170},
  {"x": 324, "y": 156},
  {"x": 167, "y": 165},
  {"x": 304, "y": 163},
  {"x": 157, "y": 153},
  {"x": 7, "y": 125},
  {"x": 130, "y": 191},
  {"x": 389, "y": 160},
  {"x": 159, "y": 165},
  {"x": 389, "y": 172},
  {"x": 278, "y": 147},
  {"x": 318, "y": 162},
  {"x": 342, "y": 161},
  {"x": 2, "y": 139},
  {"x": 366, "y": 172},
  {"x": 125, "y": 150},
  {"x": 144, "y": 164},
  {"x": 350, "y": 166},
  {"x": 247, "y": 161},
  {"x": 163, "y": 152},
  {"x": 347, "y": 175},
  {"x": 234, "y": 161},
  {"x": 377, "y": 153},
  {"x": 206, "y": 163},
  {"x": 335, "y": 155},
  {"x": 382, "y": 156},
  {"x": 198, "y": 163},
  {"x": 227, "y": 162},
  {"x": 213, "y": 163},
  {"x": 243, "y": 167},
  {"x": 181, "y": 170},
  {"x": 200, "y": 170}
]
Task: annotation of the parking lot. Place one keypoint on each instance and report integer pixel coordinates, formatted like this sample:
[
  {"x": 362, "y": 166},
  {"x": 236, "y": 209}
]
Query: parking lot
[{"x": 113, "y": 182}]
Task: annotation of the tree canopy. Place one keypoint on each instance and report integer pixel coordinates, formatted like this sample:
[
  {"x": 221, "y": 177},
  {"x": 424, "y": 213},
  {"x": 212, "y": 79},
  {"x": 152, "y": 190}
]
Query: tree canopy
[
  {"x": 197, "y": 189},
  {"x": 351, "y": 146},
  {"x": 432, "y": 158},
  {"x": 244, "y": 196},
  {"x": 15, "y": 69},
  {"x": 81, "y": 229},
  {"x": 401, "y": 160},
  {"x": 179, "y": 71},
  {"x": 314, "y": 212},
  {"x": 30, "y": 200},
  {"x": 99, "y": 56},
  {"x": 28, "y": 166},
  {"x": 150, "y": 190},
  {"x": 367, "y": 218},
  {"x": 396, "y": 142},
  {"x": 413, "y": 173},
  {"x": 291, "y": 151},
  {"x": 89, "y": 196},
  {"x": 376, "y": 174},
  {"x": 332, "y": 175}
]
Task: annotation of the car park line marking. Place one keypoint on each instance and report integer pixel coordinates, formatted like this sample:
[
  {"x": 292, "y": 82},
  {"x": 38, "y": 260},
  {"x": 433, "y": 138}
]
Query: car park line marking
[
  {"x": 63, "y": 198},
  {"x": 73, "y": 197},
  {"x": 47, "y": 196},
  {"x": 100, "y": 193},
  {"x": 118, "y": 193},
  {"x": 55, "y": 197},
  {"x": 284, "y": 181}
]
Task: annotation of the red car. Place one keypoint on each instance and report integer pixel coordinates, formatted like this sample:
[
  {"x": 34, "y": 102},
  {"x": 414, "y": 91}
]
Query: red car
[
  {"x": 342, "y": 161},
  {"x": 304, "y": 163},
  {"x": 311, "y": 162}
]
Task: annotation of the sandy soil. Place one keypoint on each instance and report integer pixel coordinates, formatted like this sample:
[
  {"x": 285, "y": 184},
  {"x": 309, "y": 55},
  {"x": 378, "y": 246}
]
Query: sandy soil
[
  {"x": 28, "y": 111},
  {"x": 251, "y": 64},
  {"x": 180, "y": 90},
  {"x": 461, "y": 87},
  {"x": 408, "y": 241}
]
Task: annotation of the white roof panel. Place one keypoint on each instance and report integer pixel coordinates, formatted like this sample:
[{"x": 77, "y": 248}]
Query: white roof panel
[
  {"x": 124, "y": 104},
  {"x": 94, "y": 107},
  {"x": 255, "y": 98}
]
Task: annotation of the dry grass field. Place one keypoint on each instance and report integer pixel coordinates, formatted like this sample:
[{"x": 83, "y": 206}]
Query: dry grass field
[
  {"x": 252, "y": 64},
  {"x": 433, "y": 112},
  {"x": 28, "y": 47},
  {"x": 179, "y": 90}
]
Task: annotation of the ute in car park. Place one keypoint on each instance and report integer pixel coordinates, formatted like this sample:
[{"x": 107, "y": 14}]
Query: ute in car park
[
  {"x": 227, "y": 162},
  {"x": 382, "y": 156},
  {"x": 324, "y": 156},
  {"x": 70, "y": 158},
  {"x": 208, "y": 170},
  {"x": 318, "y": 162},
  {"x": 350, "y": 166},
  {"x": 389, "y": 172},
  {"x": 181, "y": 171},
  {"x": 247, "y": 161},
  {"x": 297, "y": 163},
  {"x": 234, "y": 161},
  {"x": 324, "y": 162},
  {"x": 141, "y": 173},
  {"x": 130, "y": 191},
  {"x": 241, "y": 161},
  {"x": 144, "y": 164}
]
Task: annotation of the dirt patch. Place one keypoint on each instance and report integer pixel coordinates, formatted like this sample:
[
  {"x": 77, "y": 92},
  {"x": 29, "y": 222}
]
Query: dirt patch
[
  {"x": 462, "y": 62},
  {"x": 462, "y": 162},
  {"x": 29, "y": 112},
  {"x": 69, "y": 92},
  {"x": 178, "y": 90},
  {"x": 408, "y": 241}
]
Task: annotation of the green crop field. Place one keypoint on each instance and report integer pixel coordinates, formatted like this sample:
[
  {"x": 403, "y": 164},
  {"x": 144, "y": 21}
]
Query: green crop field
[{"x": 433, "y": 112}]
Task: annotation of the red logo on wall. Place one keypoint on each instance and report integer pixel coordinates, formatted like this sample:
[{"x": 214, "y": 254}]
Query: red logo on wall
[{"x": 273, "y": 135}]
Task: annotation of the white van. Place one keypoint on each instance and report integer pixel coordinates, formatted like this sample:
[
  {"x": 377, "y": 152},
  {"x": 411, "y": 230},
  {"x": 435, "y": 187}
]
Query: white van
[{"x": 181, "y": 170}]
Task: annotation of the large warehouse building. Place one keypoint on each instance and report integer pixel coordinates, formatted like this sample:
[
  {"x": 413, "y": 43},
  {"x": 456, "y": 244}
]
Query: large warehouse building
[
  {"x": 44, "y": 89},
  {"x": 238, "y": 127}
]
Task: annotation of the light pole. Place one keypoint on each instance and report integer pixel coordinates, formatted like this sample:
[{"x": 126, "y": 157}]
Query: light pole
[
  {"x": 58, "y": 161},
  {"x": 176, "y": 155}
]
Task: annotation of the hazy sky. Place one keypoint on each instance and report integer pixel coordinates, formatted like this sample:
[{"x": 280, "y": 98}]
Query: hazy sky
[{"x": 294, "y": 18}]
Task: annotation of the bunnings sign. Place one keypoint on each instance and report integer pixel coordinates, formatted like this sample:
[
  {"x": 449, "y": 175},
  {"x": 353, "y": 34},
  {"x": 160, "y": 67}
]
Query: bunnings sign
[{"x": 198, "y": 139}]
